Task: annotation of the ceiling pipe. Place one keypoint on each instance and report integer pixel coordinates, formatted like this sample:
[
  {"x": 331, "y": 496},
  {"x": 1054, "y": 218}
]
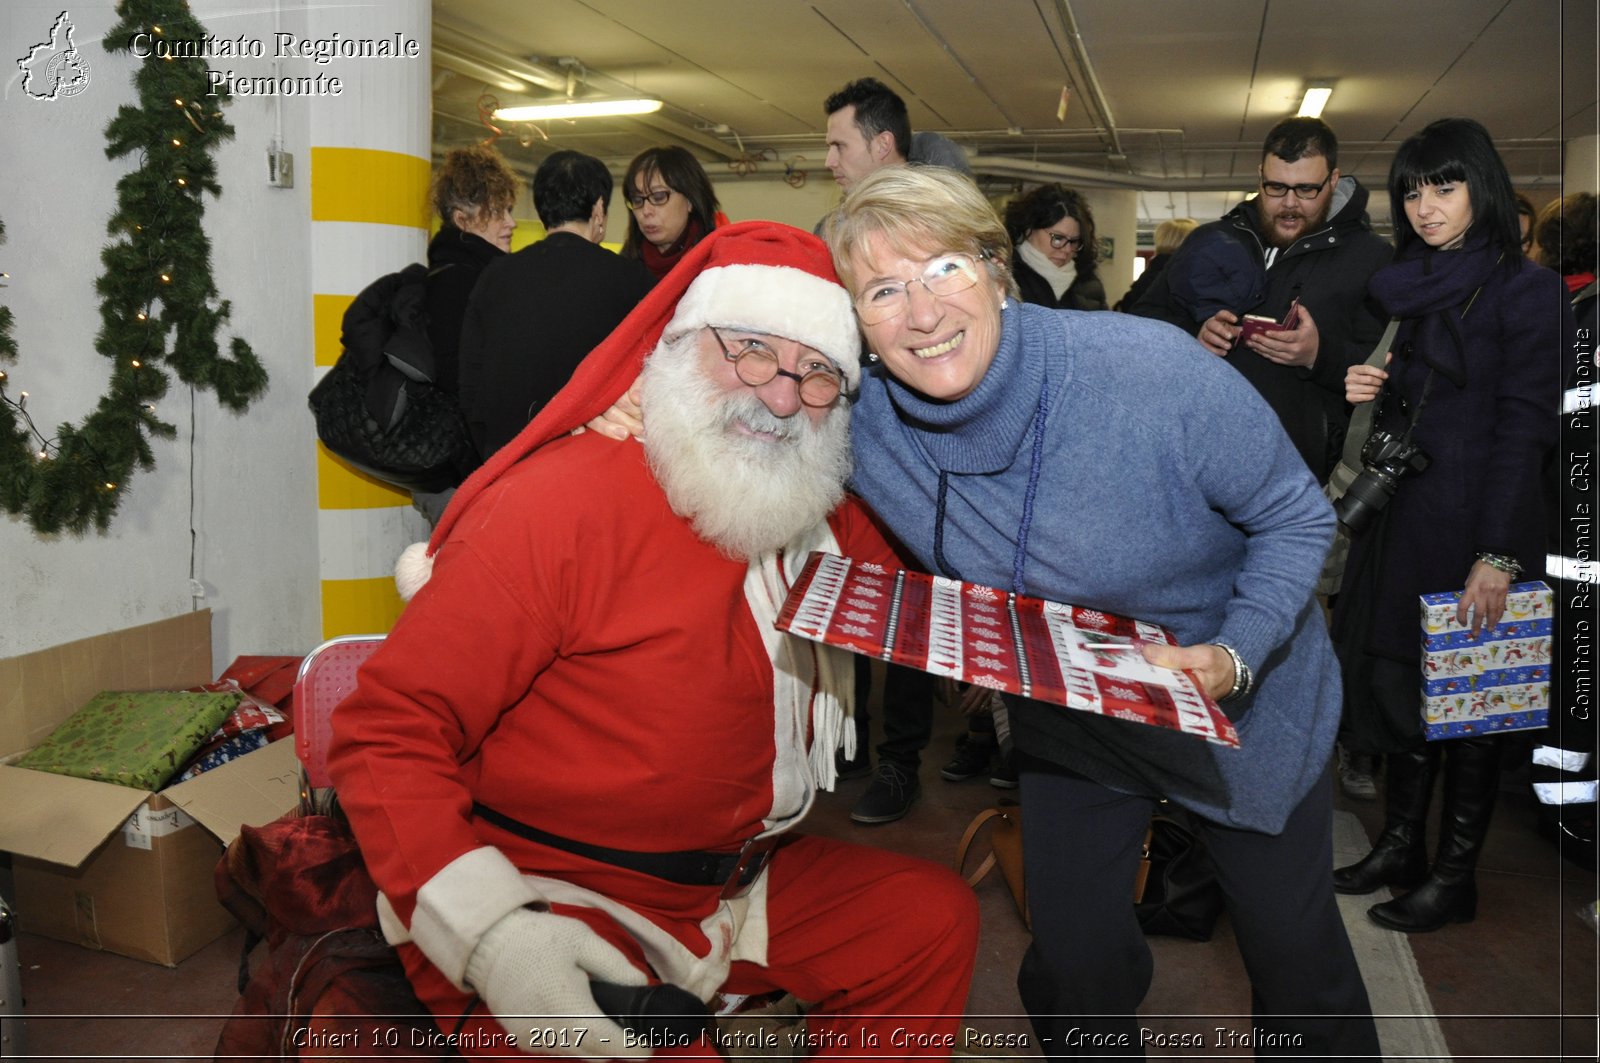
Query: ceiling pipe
[
  {"x": 1029, "y": 170},
  {"x": 456, "y": 42},
  {"x": 463, "y": 52},
  {"x": 1097, "y": 95}
]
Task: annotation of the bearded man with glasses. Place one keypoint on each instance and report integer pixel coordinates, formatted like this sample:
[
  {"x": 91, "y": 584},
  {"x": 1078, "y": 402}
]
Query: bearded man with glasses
[
  {"x": 1306, "y": 236},
  {"x": 580, "y": 756}
]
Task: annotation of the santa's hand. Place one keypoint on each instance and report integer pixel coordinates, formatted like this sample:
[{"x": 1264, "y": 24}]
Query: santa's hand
[
  {"x": 1209, "y": 662},
  {"x": 534, "y": 968},
  {"x": 623, "y": 420}
]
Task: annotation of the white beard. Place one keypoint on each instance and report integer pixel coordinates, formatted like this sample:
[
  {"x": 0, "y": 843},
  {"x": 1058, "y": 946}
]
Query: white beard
[{"x": 747, "y": 496}]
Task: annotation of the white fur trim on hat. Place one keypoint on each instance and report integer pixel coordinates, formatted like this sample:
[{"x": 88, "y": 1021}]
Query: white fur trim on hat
[
  {"x": 777, "y": 300},
  {"x": 412, "y": 570}
]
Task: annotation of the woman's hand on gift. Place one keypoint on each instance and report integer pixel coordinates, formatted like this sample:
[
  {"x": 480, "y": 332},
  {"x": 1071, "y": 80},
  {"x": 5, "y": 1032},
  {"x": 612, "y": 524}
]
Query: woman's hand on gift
[
  {"x": 1484, "y": 597},
  {"x": 1210, "y": 663}
]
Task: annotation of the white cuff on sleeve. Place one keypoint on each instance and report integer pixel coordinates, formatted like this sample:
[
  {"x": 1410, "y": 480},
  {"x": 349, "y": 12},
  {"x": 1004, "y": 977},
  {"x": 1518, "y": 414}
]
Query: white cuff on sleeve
[{"x": 468, "y": 896}]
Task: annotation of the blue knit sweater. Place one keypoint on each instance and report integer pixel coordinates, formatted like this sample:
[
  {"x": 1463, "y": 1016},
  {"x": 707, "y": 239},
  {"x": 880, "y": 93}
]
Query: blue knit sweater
[{"x": 1165, "y": 489}]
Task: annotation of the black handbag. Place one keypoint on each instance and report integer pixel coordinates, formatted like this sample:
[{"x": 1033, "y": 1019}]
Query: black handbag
[
  {"x": 377, "y": 408},
  {"x": 423, "y": 448},
  {"x": 1181, "y": 897}
]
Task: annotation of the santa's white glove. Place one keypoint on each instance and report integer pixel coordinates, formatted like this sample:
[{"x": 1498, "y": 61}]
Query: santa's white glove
[{"x": 533, "y": 970}]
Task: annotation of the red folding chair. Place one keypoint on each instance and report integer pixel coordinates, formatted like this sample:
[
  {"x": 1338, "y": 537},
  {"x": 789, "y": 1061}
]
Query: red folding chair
[{"x": 327, "y": 676}]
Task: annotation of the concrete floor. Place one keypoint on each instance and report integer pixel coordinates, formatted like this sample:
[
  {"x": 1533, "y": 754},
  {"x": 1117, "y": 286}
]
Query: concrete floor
[{"x": 1518, "y": 983}]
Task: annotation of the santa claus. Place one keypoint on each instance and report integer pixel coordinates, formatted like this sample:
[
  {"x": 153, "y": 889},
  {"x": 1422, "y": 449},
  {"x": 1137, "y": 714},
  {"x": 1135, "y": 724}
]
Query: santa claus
[{"x": 579, "y": 755}]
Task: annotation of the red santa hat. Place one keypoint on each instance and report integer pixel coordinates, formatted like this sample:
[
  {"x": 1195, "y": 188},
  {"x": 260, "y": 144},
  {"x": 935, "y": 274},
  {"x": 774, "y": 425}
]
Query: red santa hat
[{"x": 756, "y": 275}]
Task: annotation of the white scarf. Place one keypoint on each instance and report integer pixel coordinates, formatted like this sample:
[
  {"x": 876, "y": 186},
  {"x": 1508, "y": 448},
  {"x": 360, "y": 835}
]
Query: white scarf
[
  {"x": 813, "y": 686},
  {"x": 1059, "y": 278}
]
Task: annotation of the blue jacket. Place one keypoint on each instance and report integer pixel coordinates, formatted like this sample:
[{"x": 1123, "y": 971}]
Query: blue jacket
[{"x": 1166, "y": 490}]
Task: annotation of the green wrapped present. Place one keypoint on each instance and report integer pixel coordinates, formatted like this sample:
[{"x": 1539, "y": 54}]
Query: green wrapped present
[{"x": 132, "y": 738}]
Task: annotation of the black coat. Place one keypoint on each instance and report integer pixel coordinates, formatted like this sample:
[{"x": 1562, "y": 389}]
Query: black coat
[
  {"x": 1085, "y": 292},
  {"x": 1328, "y": 271},
  {"x": 1486, "y": 427},
  {"x": 534, "y": 316},
  {"x": 457, "y": 259}
]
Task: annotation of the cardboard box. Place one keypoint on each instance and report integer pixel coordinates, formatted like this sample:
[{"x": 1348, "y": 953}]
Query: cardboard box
[
  {"x": 112, "y": 867},
  {"x": 1499, "y": 681}
]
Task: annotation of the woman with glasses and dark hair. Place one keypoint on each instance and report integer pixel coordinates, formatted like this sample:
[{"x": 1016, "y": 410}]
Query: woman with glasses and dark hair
[
  {"x": 671, "y": 207},
  {"x": 1049, "y": 454},
  {"x": 1052, "y": 230},
  {"x": 1470, "y": 380}
]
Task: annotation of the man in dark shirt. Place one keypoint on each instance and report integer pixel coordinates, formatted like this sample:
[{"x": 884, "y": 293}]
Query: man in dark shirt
[{"x": 536, "y": 313}]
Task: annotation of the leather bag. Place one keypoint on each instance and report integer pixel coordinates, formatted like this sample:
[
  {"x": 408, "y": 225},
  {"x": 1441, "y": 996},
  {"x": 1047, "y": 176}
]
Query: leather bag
[
  {"x": 1175, "y": 892},
  {"x": 1005, "y": 852}
]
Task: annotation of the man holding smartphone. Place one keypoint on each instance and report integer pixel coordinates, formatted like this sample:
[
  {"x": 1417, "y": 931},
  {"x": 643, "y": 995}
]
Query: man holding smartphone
[{"x": 1306, "y": 237}]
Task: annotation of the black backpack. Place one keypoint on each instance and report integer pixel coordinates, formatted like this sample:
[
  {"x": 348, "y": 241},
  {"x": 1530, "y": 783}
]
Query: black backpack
[{"x": 378, "y": 409}]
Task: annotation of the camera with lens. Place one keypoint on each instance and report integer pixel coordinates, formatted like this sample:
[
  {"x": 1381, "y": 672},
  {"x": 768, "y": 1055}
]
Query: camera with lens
[{"x": 1386, "y": 459}]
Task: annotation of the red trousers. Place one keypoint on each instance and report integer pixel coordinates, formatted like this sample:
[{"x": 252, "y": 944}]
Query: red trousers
[{"x": 880, "y": 945}]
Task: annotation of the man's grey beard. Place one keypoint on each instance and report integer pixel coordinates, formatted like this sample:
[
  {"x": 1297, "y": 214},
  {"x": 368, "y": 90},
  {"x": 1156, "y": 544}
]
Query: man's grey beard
[{"x": 745, "y": 495}]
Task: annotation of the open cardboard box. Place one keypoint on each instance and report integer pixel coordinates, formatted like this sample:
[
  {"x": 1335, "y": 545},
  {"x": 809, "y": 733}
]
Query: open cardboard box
[{"x": 112, "y": 867}]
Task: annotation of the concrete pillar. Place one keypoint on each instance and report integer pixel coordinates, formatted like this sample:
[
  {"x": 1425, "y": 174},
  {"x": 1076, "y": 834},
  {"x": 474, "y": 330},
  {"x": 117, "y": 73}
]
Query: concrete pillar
[
  {"x": 1580, "y": 166},
  {"x": 369, "y": 167}
]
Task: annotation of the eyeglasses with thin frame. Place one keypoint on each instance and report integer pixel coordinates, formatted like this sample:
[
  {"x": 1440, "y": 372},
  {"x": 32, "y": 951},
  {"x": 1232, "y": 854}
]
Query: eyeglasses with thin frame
[
  {"x": 1059, "y": 240},
  {"x": 1277, "y": 189},
  {"x": 945, "y": 276},
  {"x": 756, "y": 364},
  {"x": 657, "y": 198}
]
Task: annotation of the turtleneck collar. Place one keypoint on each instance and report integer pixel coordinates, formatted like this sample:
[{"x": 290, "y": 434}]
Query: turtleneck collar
[{"x": 984, "y": 431}]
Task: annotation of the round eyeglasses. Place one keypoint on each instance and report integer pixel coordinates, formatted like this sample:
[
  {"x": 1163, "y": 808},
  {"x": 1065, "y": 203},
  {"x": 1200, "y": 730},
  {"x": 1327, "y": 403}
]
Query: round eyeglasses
[
  {"x": 1277, "y": 189},
  {"x": 1058, "y": 241},
  {"x": 944, "y": 276},
  {"x": 658, "y": 198},
  {"x": 755, "y": 364}
]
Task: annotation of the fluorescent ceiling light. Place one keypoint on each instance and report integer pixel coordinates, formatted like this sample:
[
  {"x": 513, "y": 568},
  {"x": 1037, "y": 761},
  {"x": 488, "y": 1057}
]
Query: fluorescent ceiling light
[
  {"x": 1315, "y": 100},
  {"x": 538, "y": 112}
]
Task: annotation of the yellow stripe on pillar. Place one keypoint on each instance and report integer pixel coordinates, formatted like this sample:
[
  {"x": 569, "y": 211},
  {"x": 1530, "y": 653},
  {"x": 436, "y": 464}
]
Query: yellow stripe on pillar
[
  {"x": 327, "y": 326},
  {"x": 341, "y": 487},
  {"x": 365, "y": 185},
  {"x": 359, "y": 606}
]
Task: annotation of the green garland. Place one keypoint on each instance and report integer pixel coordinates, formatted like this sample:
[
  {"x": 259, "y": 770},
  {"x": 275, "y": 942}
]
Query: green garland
[{"x": 158, "y": 303}]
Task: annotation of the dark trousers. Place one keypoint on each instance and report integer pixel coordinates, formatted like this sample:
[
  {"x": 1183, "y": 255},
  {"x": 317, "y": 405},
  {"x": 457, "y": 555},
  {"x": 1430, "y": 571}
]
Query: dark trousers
[
  {"x": 907, "y": 713},
  {"x": 1089, "y": 967}
]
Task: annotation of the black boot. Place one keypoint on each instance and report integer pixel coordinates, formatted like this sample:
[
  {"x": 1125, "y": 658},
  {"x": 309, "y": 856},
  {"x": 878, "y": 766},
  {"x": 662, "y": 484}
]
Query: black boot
[
  {"x": 1450, "y": 892},
  {"x": 1399, "y": 857}
]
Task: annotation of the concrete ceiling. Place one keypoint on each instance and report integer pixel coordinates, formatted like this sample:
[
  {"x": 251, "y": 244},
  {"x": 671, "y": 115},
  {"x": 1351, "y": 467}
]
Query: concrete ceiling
[{"x": 1168, "y": 97}]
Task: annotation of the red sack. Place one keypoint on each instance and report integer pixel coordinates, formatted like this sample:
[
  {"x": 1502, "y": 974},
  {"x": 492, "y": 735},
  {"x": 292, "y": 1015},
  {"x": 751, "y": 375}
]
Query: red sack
[{"x": 300, "y": 884}]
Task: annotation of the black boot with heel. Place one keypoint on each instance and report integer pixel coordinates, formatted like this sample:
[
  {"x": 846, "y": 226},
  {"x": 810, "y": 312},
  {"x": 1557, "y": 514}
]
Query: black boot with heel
[
  {"x": 1449, "y": 894},
  {"x": 1399, "y": 857}
]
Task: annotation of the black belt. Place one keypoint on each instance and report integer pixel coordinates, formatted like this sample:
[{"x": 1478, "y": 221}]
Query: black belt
[{"x": 733, "y": 871}]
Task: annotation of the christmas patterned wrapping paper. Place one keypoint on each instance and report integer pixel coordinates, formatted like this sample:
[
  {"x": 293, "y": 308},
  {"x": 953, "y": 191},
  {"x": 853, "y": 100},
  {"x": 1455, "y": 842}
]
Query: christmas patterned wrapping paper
[
  {"x": 1080, "y": 658},
  {"x": 132, "y": 738},
  {"x": 1499, "y": 681}
]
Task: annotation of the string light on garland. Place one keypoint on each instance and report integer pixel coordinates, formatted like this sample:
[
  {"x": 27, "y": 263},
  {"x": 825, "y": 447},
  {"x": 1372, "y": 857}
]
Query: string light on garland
[{"x": 159, "y": 308}]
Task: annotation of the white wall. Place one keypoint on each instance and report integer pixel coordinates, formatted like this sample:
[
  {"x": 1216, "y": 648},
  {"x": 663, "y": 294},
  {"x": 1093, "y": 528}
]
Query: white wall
[{"x": 253, "y": 500}]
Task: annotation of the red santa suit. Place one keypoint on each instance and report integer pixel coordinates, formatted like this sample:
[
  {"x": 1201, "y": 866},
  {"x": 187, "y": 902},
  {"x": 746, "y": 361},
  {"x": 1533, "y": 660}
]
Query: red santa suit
[{"x": 582, "y": 663}]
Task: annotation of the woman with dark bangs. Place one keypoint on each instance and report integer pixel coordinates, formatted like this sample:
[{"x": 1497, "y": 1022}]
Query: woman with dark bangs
[
  {"x": 1469, "y": 383},
  {"x": 671, "y": 207}
]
